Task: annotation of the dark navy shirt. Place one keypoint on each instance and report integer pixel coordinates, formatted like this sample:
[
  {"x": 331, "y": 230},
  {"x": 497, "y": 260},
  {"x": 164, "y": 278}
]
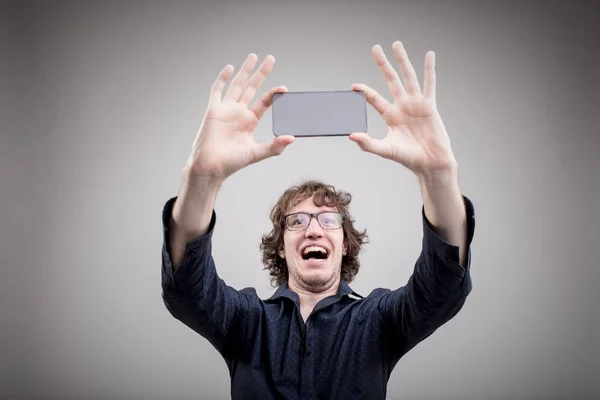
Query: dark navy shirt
[{"x": 349, "y": 344}]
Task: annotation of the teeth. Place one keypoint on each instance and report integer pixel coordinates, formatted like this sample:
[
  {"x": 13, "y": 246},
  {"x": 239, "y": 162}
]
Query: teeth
[{"x": 314, "y": 248}]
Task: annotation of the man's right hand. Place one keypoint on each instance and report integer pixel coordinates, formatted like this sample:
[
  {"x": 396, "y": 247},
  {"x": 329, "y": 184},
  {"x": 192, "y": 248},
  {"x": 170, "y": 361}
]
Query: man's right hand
[{"x": 225, "y": 143}]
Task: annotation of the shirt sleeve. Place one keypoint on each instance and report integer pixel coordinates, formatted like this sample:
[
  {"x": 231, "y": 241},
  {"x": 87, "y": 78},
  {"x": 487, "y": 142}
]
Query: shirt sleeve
[
  {"x": 194, "y": 293},
  {"x": 435, "y": 292}
]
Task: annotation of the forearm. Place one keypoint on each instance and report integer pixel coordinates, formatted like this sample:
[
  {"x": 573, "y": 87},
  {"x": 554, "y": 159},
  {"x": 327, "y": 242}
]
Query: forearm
[
  {"x": 194, "y": 293},
  {"x": 445, "y": 208},
  {"x": 192, "y": 213}
]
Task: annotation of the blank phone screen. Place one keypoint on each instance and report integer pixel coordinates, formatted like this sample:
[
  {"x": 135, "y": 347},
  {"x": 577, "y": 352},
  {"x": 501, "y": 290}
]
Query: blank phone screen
[{"x": 334, "y": 113}]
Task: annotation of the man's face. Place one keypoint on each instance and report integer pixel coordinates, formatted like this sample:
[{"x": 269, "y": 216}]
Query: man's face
[{"x": 313, "y": 274}]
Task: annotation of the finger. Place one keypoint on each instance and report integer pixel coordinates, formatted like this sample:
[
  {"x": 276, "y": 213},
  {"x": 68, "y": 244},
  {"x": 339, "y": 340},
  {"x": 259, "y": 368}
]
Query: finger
[
  {"x": 257, "y": 79},
  {"x": 218, "y": 85},
  {"x": 411, "y": 83},
  {"x": 368, "y": 144},
  {"x": 274, "y": 148},
  {"x": 233, "y": 93},
  {"x": 389, "y": 73},
  {"x": 266, "y": 100},
  {"x": 378, "y": 102},
  {"x": 429, "y": 81}
]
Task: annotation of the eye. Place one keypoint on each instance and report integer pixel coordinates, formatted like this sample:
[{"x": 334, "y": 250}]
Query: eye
[
  {"x": 297, "y": 220},
  {"x": 330, "y": 219}
]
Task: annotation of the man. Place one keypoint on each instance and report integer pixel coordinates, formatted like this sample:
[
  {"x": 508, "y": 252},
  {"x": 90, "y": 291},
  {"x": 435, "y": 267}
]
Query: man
[{"x": 311, "y": 339}]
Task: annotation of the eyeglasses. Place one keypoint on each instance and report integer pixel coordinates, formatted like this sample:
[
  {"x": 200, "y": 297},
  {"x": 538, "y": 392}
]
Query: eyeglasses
[{"x": 300, "y": 221}]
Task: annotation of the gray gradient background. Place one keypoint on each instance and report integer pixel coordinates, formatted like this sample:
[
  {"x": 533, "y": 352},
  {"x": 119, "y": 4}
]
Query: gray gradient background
[{"x": 101, "y": 103}]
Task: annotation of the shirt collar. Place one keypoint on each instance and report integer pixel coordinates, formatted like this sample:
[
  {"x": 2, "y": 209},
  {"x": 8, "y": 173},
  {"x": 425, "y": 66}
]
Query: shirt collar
[{"x": 284, "y": 291}]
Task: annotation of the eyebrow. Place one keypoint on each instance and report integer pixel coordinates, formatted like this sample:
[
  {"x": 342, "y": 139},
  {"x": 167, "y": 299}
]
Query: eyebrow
[{"x": 308, "y": 212}]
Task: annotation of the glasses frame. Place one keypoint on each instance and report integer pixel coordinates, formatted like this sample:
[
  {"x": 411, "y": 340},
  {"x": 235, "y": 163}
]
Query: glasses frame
[{"x": 316, "y": 216}]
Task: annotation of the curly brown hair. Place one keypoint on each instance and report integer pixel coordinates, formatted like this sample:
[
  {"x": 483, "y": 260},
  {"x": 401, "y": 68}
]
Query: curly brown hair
[{"x": 323, "y": 195}]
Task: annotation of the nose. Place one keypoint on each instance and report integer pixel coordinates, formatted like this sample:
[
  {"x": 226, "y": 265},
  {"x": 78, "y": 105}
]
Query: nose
[{"x": 314, "y": 228}]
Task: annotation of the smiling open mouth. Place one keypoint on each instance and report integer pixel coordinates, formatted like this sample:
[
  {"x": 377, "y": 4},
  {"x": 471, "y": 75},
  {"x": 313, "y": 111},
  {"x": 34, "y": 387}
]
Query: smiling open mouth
[{"x": 315, "y": 253}]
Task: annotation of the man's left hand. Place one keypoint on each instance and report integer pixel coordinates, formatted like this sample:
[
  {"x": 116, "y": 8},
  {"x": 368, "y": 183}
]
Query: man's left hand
[{"x": 416, "y": 136}]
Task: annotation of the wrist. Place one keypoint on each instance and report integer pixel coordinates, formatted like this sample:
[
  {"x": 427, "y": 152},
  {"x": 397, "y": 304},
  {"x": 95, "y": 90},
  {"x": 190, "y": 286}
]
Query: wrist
[
  {"x": 197, "y": 194},
  {"x": 441, "y": 178},
  {"x": 193, "y": 178}
]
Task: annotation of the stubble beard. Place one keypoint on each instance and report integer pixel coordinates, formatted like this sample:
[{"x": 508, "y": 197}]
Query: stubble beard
[{"x": 316, "y": 283}]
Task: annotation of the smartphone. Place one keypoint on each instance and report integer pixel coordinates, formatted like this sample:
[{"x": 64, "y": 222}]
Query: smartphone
[{"x": 325, "y": 113}]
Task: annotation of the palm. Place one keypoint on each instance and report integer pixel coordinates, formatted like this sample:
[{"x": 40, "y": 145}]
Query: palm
[
  {"x": 233, "y": 116},
  {"x": 416, "y": 136},
  {"x": 227, "y": 138},
  {"x": 225, "y": 142}
]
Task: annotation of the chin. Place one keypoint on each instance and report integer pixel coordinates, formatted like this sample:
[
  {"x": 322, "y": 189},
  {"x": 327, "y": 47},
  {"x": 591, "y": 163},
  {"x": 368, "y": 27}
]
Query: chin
[{"x": 317, "y": 280}]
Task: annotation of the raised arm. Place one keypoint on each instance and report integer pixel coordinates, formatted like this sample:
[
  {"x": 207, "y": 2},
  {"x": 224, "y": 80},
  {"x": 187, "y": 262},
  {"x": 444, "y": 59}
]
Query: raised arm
[
  {"x": 417, "y": 139},
  {"x": 192, "y": 289},
  {"x": 224, "y": 144}
]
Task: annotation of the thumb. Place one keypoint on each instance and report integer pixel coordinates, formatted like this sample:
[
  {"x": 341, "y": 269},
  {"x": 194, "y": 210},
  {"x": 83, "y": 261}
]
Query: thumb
[
  {"x": 274, "y": 148},
  {"x": 370, "y": 145}
]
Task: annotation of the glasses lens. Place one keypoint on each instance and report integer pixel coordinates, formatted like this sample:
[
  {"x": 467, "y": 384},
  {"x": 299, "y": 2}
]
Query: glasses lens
[
  {"x": 330, "y": 220},
  {"x": 297, "y": 221}
]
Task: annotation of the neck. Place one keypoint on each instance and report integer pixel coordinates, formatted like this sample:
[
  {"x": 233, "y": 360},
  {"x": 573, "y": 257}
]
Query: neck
[{"x": 310, "y": 298}]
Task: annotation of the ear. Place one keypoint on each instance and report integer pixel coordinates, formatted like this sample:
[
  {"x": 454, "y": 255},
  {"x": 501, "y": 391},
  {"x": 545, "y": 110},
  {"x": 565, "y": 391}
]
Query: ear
[
  {"x": 282, "y": 253},
  {"x": 345, "y": 249}
]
